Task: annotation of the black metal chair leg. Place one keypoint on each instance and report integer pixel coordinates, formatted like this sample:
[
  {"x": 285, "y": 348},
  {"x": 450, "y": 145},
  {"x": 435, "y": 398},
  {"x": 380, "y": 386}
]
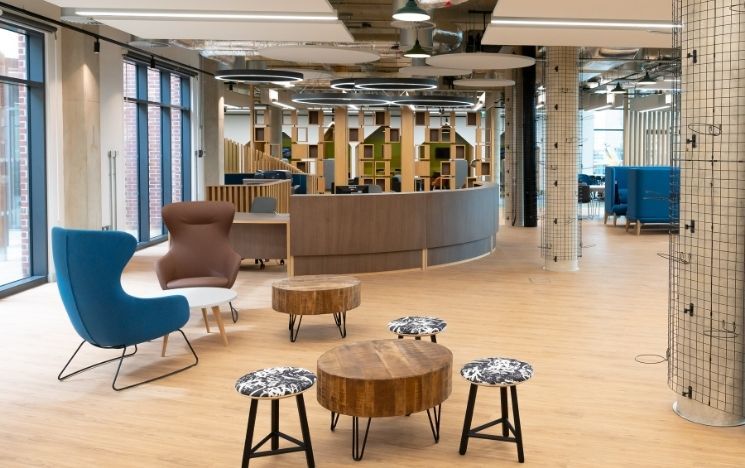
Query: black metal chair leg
[
  {"x": 305, "y": 431},
  {"x": 64, "y": 377},
  {"x": 518, "y": 431},
  {"x": 357, "y": 451},
  {"x": 433, "y": 338},
  {"x": 275, "y": 424},
  {"x": 116, "y": 376},
  {"x": 249, "y": 433},
  {"x": 505, "y": 412},
  {"x": 418, "y": 338},
  {"x": 334, "y": 420},
  {"x": 233, "y": 312},
  {"x": 400, "y": 337},
  {"x": 468, "y": 419}
]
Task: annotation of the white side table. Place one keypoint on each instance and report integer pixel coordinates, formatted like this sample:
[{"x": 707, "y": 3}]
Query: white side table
[{"x": 202, "y": 298}]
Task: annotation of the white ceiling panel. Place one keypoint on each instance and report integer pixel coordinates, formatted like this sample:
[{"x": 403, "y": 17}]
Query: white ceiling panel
[
  {"x": 503, "y": 35},
  {"x": 235, "y": 30},
  {"x": 586, "y": 9},
  {"x": 287, "y": 6}
]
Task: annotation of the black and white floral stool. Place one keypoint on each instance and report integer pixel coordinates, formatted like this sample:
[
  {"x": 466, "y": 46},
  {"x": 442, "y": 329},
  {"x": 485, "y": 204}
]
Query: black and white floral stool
[
  {"x": 502, "y": 373},
  {"x": 273, "y": 384},
  {"x": 417, "y": 327}
]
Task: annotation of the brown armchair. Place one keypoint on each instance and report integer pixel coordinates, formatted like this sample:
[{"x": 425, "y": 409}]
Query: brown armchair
[{"x": 200, "y": 254}]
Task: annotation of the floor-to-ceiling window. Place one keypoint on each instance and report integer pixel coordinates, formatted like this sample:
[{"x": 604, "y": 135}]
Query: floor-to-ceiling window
[
  {"x": 23, "y": 227},
  {"x": 157, "y": 146}
]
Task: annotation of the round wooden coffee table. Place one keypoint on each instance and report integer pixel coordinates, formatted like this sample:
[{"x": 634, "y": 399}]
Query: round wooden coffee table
[
  {"x": 315, "y": 295},
  {"x": 374, "y": 379}
]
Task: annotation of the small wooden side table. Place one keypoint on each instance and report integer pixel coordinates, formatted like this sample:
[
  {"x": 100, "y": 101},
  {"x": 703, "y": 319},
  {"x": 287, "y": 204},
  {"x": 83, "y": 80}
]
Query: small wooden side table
[
  {"x": 315, "y": 295},
  {"x": 202, "y": 298},
  {"x": 374, "y": 379}
]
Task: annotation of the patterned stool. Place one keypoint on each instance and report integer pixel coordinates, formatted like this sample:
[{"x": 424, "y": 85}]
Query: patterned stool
[
  {"x": 502, "y": 373},
  {"x": 273, "y": 384},
  {"x": 417, "y": 327}
]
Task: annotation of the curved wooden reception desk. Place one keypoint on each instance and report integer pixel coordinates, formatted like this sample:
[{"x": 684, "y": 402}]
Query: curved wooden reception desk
[{"x": 391, "y": 231}]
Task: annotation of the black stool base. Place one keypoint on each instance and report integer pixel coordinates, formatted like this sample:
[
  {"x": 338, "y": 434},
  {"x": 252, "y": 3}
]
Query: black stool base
[
  {"x": 507, "y": 427},
  {"x": 252, "y": 451},
  {"x": 432, "y": 338}
]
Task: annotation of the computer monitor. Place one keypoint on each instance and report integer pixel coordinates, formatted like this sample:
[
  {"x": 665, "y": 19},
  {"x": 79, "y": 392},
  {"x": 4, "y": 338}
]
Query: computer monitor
[{"x": 346, "y": 189}]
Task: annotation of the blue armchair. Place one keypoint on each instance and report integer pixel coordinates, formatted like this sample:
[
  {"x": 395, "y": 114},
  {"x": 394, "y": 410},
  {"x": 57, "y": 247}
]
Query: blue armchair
[{"x": 89, "y": 266}]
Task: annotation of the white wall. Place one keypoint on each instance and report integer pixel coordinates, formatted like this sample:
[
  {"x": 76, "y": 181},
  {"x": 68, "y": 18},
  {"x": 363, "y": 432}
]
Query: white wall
[{"x": 236, "y": 127}]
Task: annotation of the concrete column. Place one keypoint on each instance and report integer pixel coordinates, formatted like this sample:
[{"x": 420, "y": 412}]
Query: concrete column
[
  {"x": 81, "y": 150},
  {"x": 560, "y": 233},
  {"x": 213, "y": 116},
  {"x": 707, "y": 310},
  {"x": 513, "y": 111}
]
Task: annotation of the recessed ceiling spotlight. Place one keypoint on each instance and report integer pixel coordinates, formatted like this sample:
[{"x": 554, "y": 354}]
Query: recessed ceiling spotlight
[
  {"x": 410, "y": 12},
  {"x": 258, "y": 76}
]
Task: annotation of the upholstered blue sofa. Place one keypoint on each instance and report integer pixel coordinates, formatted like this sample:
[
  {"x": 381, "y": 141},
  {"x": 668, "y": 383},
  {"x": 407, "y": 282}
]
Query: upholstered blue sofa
[{"x": 649, "y": 196}]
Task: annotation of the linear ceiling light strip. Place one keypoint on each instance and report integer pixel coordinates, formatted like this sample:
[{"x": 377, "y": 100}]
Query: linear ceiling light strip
[
  {"x": 205, "y": 15},
  {"x": 584, "y": 23}
]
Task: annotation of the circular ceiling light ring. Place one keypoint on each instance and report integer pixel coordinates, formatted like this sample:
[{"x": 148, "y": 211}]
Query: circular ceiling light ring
[
  {"x": 434, "y": 101},
  {"x": 340, "y": 99},
  {"x": 395, "y": 84},
  {"x": 258, "y": 76},
  {"x": 344, "y": 84}
]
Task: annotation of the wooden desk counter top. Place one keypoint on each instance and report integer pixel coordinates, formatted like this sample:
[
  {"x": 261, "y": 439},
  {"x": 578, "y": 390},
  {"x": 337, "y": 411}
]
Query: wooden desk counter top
[{"x": 262, "y": 218}]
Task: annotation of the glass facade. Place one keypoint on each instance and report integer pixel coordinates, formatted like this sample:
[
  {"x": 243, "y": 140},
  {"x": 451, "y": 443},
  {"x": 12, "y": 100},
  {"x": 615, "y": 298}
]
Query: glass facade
[
  {"x": 23, "y": 245},
  {"x": 157, "y": 146}
]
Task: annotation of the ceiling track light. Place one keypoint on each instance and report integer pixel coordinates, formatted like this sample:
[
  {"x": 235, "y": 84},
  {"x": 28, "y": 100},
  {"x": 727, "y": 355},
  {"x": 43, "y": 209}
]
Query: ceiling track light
[
  {"x": 647, "y": 80},
  {"x": 152, "y": 61},
  {"x": 411, "y": 13},
  {"x": 97, "y": 46}
]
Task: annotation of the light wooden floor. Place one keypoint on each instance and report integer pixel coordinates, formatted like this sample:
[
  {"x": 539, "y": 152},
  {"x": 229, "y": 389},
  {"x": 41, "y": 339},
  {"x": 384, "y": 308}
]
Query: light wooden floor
[{"x": 589, "y": 405}]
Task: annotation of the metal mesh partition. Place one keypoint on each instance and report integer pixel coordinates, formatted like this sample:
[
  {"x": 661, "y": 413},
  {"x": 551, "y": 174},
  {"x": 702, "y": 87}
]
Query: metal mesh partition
[
  {"x": 562, "y": 139},
  {"x": 707, "y": 268},
  {"x": 509, "y": 155}
]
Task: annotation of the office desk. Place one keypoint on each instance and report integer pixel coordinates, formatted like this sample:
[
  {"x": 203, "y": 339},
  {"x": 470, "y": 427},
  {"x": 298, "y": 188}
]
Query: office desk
[{"x": 263, "y": 235}]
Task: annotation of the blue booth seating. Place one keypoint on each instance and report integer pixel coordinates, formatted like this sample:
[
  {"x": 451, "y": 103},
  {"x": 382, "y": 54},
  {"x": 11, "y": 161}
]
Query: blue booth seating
[
  {"x": 299, "y": 181},
  {"x": 647, "y": 201},
  {"x": 616, "y": 192},
  {"x": 649, "y": 196}
]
